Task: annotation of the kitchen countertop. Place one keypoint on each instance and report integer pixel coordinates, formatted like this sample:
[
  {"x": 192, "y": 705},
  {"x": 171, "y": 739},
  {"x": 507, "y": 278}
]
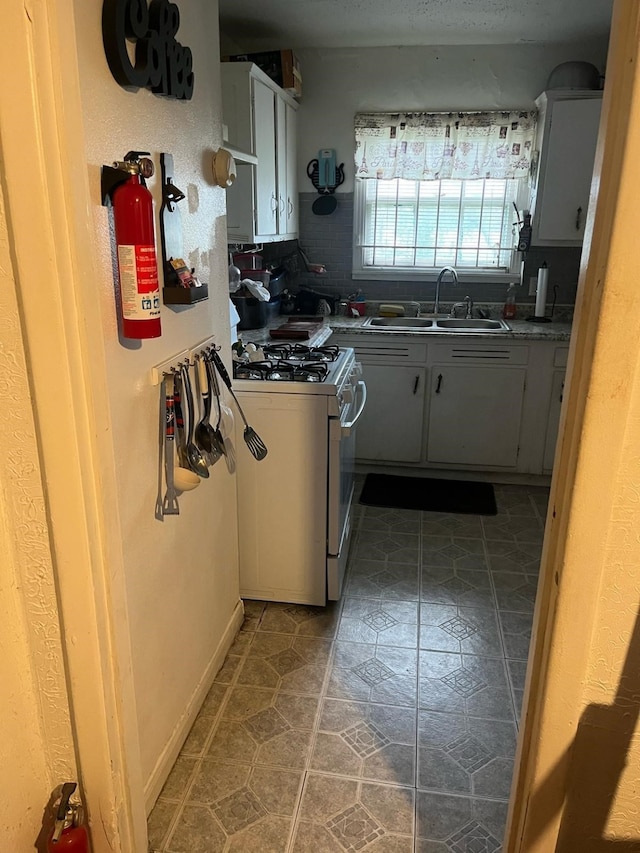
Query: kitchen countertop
[{"x": 520, "y": 330}]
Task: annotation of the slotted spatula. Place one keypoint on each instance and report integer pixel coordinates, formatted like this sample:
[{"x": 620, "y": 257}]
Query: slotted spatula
[{"x": 256, "y": 445}]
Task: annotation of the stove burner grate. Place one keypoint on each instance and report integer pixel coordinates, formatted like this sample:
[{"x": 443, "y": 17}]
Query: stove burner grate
[
  {"x": 301, "y": 352},
  {"x": 281, "y": 371}
]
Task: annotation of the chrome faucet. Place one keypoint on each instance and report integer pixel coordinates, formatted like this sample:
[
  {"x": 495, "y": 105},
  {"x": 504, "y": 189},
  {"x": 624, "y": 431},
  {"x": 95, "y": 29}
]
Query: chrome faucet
[
  {"x": 454, "y": 275},
  {"x": 466, "y": 305}
]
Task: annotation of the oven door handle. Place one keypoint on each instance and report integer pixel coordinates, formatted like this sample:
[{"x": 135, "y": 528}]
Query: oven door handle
[{"x": 347, "y": 428}]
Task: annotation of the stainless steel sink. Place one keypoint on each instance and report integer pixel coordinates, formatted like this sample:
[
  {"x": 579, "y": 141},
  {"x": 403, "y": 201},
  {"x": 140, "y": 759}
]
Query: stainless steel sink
[
  {"x": 449, "y": 324},
  {"x": 473, "y": 325},
  {"x": 399, "y": 322}
]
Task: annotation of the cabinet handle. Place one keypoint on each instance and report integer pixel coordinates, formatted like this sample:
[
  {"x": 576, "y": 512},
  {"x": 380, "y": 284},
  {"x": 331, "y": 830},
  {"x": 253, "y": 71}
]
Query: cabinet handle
[
  {"x": 274, "y": 203},
  {"x": 439, "y": 385},
  {"x": 578, "y": 218},
  {"x": 415, "y": 384},
  {"x": 290, "y": 206},
  {"x": 561, "y": 391},
  {"x": 281, "y": 206}
]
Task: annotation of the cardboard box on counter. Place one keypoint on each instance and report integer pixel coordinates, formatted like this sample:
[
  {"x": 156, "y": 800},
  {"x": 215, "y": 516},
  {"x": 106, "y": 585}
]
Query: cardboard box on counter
[{"x": 282, "y": 66}]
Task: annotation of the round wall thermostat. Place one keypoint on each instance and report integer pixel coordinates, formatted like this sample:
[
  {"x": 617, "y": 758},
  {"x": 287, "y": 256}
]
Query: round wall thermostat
[{"x": 224, "y": 168}]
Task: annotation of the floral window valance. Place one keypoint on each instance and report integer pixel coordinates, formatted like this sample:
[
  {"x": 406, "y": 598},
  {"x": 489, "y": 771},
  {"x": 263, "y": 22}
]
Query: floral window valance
[{"x": 437, "y": 146}]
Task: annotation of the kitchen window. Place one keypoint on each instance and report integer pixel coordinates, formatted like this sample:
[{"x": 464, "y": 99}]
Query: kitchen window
[{"x": 437, "y": 189}]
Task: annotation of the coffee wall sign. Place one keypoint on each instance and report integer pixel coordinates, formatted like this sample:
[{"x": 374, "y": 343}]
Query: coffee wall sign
[{"x": 161, "y": 63}]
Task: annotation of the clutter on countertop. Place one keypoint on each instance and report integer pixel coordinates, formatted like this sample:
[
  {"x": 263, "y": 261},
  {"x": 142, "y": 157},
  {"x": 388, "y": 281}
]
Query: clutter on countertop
[
  {"x": 256, "y": 289},
  {"x": 391, "y": 310},
  {"x": 247, "y": 352},
  {"x": 297, "y": 261},
  {"x": 297, "y": 330},
  {"x": 310, "y": 302},
  {"x": 234, "y": 276},
  {"x": 509, "y": 309}
]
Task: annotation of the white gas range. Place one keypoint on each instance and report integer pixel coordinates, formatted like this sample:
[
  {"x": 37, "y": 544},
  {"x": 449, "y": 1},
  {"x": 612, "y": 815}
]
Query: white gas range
[{"x": 295, "y": 505}]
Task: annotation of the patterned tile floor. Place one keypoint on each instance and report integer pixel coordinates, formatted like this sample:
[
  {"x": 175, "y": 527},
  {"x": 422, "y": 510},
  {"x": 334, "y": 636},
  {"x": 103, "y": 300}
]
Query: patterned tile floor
[{"x": 384, "y": 723}]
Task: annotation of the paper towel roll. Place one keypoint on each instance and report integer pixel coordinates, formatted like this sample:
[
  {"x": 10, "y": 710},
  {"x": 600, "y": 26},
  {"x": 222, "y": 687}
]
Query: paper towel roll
[{"x": 541, "y": 291}]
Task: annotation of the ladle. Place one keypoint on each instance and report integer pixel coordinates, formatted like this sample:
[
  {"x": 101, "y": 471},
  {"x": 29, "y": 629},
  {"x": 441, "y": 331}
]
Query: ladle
[
  {"x": 184, "y": 479},
  {"x": 223, "y": 436},
  {"x": 205, "y": 435},
  {"x": 195, "y": 458}
]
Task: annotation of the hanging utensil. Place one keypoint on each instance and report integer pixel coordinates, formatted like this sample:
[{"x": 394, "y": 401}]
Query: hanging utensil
[
  {"x": 204, "y": 434},
  {"x": 194, "y": 457},
  {"x": 183, "y": 477},
  {"x": 215, "y": 391},
  {"x": 227, "y": 432},
  {"x": 253, "y": 441},
  {"x": 170, "y": 502},
  {"x": 227, "y": 445}
]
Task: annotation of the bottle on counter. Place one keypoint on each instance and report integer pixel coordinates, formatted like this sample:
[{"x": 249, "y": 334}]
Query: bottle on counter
[{"x": 509, "y": 308}]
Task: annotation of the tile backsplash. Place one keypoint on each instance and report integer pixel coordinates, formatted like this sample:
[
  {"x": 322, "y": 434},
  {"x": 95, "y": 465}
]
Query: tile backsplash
[{"x": 328, "y": 240}]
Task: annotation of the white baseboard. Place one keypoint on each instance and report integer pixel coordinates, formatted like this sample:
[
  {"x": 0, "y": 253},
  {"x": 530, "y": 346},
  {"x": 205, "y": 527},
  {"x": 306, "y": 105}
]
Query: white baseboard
[{"x": 172, "y": 749}]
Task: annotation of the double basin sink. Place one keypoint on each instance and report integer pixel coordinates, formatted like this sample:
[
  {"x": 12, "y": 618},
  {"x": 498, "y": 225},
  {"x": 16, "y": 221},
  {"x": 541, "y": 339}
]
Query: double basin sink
[{"x": 445, "y": 324}]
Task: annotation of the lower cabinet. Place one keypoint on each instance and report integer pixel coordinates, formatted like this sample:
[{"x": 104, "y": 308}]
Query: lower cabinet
[
  {"x": 459, "y": 403},
  {"x": 390, "y": 428},
  {"x": 394, "y": 369},
  {"x": 474, "y": 415}
]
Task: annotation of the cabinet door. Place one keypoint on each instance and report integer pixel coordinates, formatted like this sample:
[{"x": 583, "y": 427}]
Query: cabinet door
[
  {"x": 264, "y": 122},
  {"x": 390, "y": 428},
  {"x": 281, "y": 164},
  {"x": 557, "y": 389},
  {"x": 568, "y": 152},
  {"x": 474, "y": 415},
  {"x": 240, "y": 206},
  {"x": 286, "y": 168},
  {"x": 291, "y": 198}
]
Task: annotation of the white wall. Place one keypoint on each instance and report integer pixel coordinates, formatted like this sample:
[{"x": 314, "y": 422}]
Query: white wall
[
  {"x": 337, "y": 83},
  {"x": 181, "y": 574}
]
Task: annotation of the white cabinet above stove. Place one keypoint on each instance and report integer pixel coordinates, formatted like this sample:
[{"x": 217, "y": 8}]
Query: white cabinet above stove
[{"x": 262, "y": 205}]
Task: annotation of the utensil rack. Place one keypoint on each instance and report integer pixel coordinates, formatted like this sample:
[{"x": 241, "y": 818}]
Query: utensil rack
[{"x": 173, "y": 364}]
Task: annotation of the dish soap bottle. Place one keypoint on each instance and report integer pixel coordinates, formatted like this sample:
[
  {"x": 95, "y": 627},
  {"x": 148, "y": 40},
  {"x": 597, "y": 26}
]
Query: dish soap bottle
[{"x": 509, "y": 309}]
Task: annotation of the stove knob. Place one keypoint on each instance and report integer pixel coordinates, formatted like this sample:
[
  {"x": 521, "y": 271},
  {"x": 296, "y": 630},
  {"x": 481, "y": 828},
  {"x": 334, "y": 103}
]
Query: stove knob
[{"x": 347, "y": 395}]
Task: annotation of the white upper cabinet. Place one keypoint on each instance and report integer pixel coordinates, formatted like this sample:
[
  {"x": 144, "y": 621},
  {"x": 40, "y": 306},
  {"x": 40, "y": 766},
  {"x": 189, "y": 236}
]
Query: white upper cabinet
[
  {"x": 567, "y": 135},
  {"x": 290, "y": 187},
  {"x": 262, "y": 205}
]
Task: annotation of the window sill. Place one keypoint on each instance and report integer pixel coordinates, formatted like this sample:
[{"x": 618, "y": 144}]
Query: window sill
[{"x": 466, "y": 277}]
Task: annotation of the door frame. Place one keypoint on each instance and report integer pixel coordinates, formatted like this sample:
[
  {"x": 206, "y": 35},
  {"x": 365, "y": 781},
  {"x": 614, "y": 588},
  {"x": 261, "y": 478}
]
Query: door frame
[
  {"x": 46, "y": 188},
  {"x": 46, "y": 191},
  {"x": 593, "y": 422}
]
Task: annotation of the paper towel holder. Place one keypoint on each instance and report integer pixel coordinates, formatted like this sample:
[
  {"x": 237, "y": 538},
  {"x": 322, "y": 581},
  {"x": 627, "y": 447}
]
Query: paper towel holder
[{"x": 541, "y": 297}]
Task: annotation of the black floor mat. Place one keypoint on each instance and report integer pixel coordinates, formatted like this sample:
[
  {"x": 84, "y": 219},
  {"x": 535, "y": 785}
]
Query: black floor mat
[{"x": 429, "y": 494}]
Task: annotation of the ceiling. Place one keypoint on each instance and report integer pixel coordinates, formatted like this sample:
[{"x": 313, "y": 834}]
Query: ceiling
[{"x": 272, "y": 24}]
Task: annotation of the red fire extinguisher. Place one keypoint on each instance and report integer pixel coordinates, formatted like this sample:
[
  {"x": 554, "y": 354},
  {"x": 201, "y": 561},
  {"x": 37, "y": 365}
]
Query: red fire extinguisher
[
  {"x": 135, "y": 243},
  {"x": 69, "y": 833}
]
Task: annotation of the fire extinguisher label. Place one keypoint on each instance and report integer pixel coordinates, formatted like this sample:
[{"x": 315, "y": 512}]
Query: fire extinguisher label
[{"x": 139, "y": 282}]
